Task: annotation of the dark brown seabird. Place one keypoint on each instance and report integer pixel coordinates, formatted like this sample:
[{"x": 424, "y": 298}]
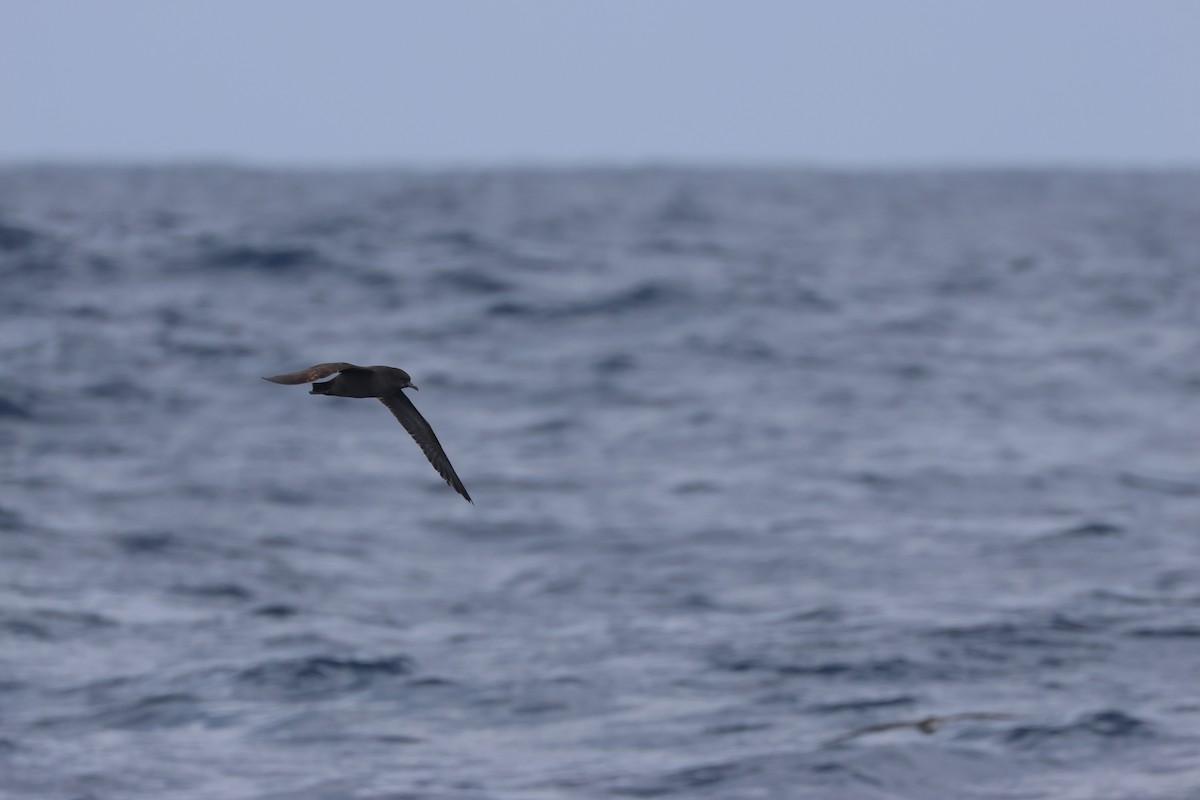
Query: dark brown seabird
[
  {"x": 926, "y": 725},
  {"x": 386, "y": 383}
]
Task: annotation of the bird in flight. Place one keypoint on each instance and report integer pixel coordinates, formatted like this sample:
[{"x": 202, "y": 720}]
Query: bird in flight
[
  {"x": 926, "y": 725},
  {"x": 387, "y": 384}
]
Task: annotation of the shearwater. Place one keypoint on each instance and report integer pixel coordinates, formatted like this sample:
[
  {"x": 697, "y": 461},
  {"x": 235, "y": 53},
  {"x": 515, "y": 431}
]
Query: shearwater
[{"x": 387, "y": 384}]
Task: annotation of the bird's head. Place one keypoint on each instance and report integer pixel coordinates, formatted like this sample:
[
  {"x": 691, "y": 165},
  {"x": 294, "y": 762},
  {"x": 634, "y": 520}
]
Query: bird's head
[{"x": 405, "y": 380}]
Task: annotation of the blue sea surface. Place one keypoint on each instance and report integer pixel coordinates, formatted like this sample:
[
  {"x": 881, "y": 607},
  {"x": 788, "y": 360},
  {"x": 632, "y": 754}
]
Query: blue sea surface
[{"x": 760, "y": 460}]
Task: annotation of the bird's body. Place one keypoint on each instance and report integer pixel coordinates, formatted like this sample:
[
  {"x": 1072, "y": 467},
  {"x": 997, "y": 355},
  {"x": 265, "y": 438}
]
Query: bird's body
[
  {"x": 387, "y": 384},
  {"x": 365, "y": 382}
]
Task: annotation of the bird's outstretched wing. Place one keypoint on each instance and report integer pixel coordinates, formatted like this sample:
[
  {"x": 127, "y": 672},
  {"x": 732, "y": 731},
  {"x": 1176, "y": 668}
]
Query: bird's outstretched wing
[
  {"x": 869, "y": 729},
  {"x": 404, "y": 410},
  {"x": 977, "y": 715},
  {"x": 314, "y": 373}
]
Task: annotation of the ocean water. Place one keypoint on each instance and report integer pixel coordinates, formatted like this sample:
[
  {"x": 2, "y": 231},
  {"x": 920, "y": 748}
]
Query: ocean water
[{"x": 760, "y": 459}]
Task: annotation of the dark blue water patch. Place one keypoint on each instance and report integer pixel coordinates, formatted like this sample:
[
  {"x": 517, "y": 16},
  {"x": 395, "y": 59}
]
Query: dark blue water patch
[
  {"x": 912, "y": 372},
  {"x": 512, "y": 308},
  {"x": 866, "y": 704},
  {"x": 875, "y": 480},
  {"x": 215, "y": 591},
  {"x": 696, "y": 601},
  {"x": 15, "y": 237},
  {"x": 395, "y": 738},
  {"x": 384, "y": 284},
  {"x": 1090, "y": 530},
  {"x": 11, "y": 520},
  {"x": 51, "y": 624},
  {"x": 687, "y": 781},
  {"x": 472, "y": 282},
  {"x": 1110, "y": 725},
  {"x": 1039, "y": 646},
  {"x": 683, "y": 208},
  {"x": 155, "y": 712},
  {"x": 551, "y": 426},
  {"x": 697, "y": 487},
  {"x": 885, "y": 669},
  {"x": 23, "y": 627},
  {"x": 1168, "y": 632},
  {"x": 319, "y": 677},
  {"x": 736, "y": 728},
  {"x": 88, "y": 312},
  {"x": 1046, "y": 633},
  {"x": 286, "y": 496},
  {"x": 1074, "y": 623},
  {"x": 146, "y": 542},
  {"x": 10, "y": 409},
  {"x": 1184, "y": 578},
  {"x": 897, "y": 668},
  {"x": 791, "y": 775},
  {"x": 822, "y": 614},
  {"x": 276, "y": 611},
  {"x": 615, "y": 362},
  {"x": 97, "y": 265},
  {"x": 432, "y": 682},
  {"x": 271, "y": 259}
]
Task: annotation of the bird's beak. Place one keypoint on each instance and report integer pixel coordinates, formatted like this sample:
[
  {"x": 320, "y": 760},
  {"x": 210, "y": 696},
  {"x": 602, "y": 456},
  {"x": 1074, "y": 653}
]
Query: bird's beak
[{"x": 413, "y": 386}]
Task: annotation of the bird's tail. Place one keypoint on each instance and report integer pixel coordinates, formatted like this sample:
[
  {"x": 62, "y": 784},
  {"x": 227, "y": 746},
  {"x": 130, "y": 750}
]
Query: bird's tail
[{"x": 320, "y": 388}]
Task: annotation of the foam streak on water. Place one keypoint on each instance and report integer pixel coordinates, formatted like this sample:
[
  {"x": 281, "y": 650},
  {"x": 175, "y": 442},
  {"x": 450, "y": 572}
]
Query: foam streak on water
[{"x": 759, "y": 459}]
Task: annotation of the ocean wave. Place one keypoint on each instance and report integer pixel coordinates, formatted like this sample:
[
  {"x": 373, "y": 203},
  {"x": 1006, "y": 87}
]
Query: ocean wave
[
  {"x": 12, "y": 410},
  {"x": 11, "y": 520},
  {"x": 317, "y": 677},
  {"x": 154, "y": 712},
  {"x": 15, "y": 237},
  {"x": 756, "y": 468},
  {"x": 896, "y": 668},
  {"x": 865, "y": 704},
  {"x": 1098, "y": 727},
  {"x": 472, "y": 281},
  {"x": 275, "y": 259},
  {"x": 1184, "y": 631},
  {"x": 52, "y": 624},
  {"x": 691, "y": 780}
]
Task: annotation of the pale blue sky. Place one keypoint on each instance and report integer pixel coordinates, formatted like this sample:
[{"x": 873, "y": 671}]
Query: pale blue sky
[{"x": 435, "y": 82}]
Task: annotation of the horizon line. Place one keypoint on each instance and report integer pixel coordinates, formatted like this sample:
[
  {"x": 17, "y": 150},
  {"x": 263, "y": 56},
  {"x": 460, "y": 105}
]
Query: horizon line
[{"x": 601, "y": 163}]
